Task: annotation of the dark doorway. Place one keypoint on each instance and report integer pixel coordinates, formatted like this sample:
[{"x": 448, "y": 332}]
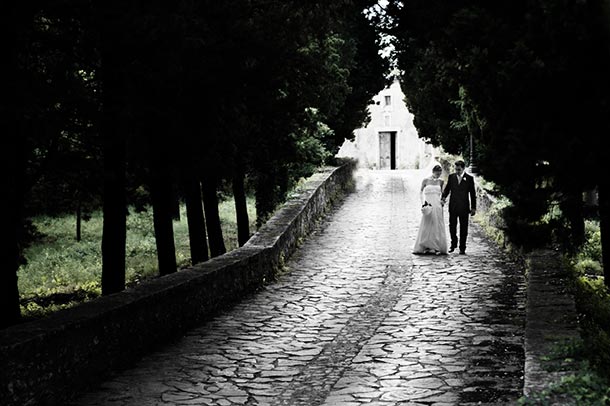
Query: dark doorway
[
  {"x": 387, "y": 150},
  {"x": 393, "y": 150}
]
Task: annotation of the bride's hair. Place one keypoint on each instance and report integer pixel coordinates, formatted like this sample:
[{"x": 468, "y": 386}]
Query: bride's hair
[{"x": 437, "y": 168}]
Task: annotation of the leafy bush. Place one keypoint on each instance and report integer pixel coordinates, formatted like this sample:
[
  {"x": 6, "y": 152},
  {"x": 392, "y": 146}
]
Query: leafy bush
[
  {"x": 496, "y": 211},
  {"x": 585, "y": 388},
  {"x": 588, "y": 266},
  {"x": 447, "y": 161},
  {"x": 489, "y": 187},
  {"x": 592, "y": 248},
  {"x": 593, "y": 305}
]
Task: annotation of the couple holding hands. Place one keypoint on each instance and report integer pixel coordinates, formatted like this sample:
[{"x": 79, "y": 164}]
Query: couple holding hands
[{"x": 432, "y": 238}]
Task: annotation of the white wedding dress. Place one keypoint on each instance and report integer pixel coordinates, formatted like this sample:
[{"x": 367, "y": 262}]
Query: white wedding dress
[{"x": 432, "y": 236}]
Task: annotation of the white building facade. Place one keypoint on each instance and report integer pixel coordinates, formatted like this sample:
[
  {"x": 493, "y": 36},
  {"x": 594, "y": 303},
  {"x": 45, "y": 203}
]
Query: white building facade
[{"x": 390, "y": 140}]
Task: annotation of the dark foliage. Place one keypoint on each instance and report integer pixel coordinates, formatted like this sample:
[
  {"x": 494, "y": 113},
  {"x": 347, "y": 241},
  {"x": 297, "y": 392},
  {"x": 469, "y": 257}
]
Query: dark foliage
[
  {"x": 118, "y": 104},
  {"x": 528, "y": 80}
]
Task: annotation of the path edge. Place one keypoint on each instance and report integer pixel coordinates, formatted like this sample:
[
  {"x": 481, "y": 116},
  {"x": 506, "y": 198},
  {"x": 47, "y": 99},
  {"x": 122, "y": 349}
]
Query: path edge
[{"x": 45, "y": 362}]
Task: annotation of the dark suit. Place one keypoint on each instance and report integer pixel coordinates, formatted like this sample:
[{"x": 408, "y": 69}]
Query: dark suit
[{"x": 460, "y": 206}]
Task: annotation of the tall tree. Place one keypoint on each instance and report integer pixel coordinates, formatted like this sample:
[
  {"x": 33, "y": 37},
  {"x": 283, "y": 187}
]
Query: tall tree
[
  {"x": 112, "y": 25},
  {"x": 155, "y": 109},
  {"x": 604, "y": 223},
  {"x": 527, "y": 80},
  {"x": 13, "y": 162},
  {"x": 241, "y": 205},
  {"x": 603, "y": 185},
  {"x": 191, "y": 188},
  {"x": 162, "y": 203},
  {"x": 212, "y": 216}
]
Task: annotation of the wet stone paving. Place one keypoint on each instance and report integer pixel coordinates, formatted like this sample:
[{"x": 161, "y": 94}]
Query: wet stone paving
[{"x": 357, "y": 319}]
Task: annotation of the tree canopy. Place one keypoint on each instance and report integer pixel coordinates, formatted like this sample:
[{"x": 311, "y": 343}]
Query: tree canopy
[
  {"x": 120, "y": 103},
  {"x": 527, "y": 80}
]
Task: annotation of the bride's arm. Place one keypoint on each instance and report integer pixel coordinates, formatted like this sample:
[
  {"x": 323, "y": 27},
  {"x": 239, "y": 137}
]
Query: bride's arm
[
  {"x": 444, "y": 192},
  {"x": 421, "y": 191},
  {"x": 447, "y": 190}
]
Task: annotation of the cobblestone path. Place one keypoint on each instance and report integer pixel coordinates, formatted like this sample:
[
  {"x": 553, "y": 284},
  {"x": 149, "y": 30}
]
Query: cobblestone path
[{"x": 357, "y": 320}]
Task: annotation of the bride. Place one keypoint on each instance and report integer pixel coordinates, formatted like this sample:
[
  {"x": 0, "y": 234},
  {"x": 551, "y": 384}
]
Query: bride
[{"x": 432, "y": 238}]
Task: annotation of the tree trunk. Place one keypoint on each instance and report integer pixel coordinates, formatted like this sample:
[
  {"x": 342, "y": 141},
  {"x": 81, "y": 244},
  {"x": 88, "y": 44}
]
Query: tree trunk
[
  {"x": 113, "y": 133},
  {"x": 12, "y": 168},
  {"x": 572, "y": 208},
  {"x": 265, "y": 198},
  {"x": 79, "y": 216},
  {"x": 114, "y": 209},
  {"x": 10, "y": 312},
  {"x": 157, "y": 95},
  {"x": 195, "y": 218},
  {"x": 241, "y": 207},
  {"x": 162, "y": 202},
  {"x": 175, "y": 203},
  {"x": 603, "y": 192},
  {"x": 604, "y": 224},
  {"x": 590, "y": 203},
  {"x": 210, "y": 204},
  {"x": 283, "y": 184},
  {"x": 271, "y": 189}
]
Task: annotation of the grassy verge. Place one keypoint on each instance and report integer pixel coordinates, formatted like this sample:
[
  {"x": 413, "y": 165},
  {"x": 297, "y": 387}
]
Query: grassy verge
[
  {"x": 593, "y": 304},
  {"x": 61, "y": 272},
  {"x": 585, "y": 387}
]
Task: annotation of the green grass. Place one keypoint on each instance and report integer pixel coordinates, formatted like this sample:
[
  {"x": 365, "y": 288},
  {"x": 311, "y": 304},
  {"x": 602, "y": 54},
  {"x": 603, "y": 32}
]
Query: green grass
[
  {"x": 583, "y": 388},
  {"x": 61, "y": 272},
  {"x": 592, "y": 300}
]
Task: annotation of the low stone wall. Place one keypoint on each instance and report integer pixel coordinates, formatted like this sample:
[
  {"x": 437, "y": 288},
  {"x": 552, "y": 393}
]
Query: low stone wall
[
  {"x": 44, "y": 362},
  {"x": 551, "y": 320}
]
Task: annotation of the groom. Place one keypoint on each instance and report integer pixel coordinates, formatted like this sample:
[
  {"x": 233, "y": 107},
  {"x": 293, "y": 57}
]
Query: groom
[{"x": 460, "y": 185}]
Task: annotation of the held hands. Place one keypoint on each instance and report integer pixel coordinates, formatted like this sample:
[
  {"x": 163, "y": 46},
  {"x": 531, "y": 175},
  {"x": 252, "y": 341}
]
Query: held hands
[{"x": 442, "y": 201}]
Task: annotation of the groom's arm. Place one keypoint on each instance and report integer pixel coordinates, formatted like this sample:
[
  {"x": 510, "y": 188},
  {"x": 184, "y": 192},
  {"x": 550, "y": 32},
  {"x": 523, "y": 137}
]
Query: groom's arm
[{"x": 473, "y": 197}]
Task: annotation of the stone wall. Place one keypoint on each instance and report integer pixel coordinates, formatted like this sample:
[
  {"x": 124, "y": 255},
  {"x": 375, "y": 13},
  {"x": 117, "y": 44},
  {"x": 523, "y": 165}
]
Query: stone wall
[
  {"x": 551, "y": 320},
  {"x": 43, "y": 362}
]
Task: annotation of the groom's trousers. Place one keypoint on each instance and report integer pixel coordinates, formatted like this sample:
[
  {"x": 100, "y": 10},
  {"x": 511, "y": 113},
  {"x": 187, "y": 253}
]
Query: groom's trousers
[{"x": 463, "y": 218}]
